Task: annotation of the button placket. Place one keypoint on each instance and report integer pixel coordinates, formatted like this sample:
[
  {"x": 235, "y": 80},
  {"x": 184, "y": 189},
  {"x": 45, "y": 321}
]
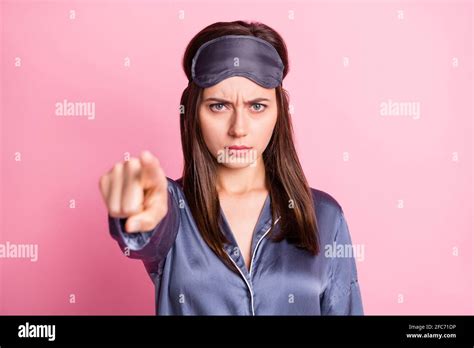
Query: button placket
[
  {"x": 233, "y": 251},
  {"x": 261, "y": 235},
  {"x": 243, "y": 272}
]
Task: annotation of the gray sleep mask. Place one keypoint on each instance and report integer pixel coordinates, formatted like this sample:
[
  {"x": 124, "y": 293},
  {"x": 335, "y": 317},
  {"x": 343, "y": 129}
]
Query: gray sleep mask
[{"x": 237, "y": 55}]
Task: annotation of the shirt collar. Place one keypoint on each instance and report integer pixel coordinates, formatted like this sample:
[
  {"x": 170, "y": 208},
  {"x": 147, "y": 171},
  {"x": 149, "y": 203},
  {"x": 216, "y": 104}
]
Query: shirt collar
[{"x": 262, "y": 225}]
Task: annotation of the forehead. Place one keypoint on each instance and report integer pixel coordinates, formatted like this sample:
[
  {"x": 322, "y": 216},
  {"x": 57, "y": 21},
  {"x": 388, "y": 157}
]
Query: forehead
[{"x": 238, "y": 86}]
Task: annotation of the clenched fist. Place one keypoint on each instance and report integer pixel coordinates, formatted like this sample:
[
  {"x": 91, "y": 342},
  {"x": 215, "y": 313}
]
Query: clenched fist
[{"x": 137, "y": 190}]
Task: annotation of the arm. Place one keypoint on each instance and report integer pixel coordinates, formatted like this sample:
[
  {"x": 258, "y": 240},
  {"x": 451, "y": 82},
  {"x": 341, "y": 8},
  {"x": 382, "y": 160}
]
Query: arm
[
  {"x": 152, "y": 245},
  {"x": 342, "y": 295}
]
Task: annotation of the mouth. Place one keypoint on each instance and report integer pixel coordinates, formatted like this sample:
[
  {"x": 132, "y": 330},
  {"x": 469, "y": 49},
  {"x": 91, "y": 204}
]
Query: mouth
[
  {"x": 243, "y": 153},
  {"x": 238, "y": 147}
]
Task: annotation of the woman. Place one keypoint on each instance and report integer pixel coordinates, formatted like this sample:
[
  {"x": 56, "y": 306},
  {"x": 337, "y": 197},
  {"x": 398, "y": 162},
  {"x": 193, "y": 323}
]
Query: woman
[{"x": 241, "y": 231}]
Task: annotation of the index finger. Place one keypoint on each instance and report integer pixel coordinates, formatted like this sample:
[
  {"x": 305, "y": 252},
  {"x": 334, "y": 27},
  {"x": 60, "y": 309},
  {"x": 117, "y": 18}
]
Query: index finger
[{"x": 151, "y": 174}]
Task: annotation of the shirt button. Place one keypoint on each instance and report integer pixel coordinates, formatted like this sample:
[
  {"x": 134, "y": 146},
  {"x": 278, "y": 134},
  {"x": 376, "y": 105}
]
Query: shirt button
[{"x": 236, "y": 252}]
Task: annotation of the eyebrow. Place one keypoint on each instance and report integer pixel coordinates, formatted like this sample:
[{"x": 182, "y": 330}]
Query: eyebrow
[{"x": 229, "y": 102}]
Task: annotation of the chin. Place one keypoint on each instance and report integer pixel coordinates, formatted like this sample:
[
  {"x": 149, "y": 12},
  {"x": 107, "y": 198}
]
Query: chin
[{"x": 237, "y": 165}]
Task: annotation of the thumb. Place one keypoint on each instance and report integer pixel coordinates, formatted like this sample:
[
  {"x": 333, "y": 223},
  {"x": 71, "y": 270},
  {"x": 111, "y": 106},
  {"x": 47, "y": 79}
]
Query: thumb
[{"x": 147, "y": 220}]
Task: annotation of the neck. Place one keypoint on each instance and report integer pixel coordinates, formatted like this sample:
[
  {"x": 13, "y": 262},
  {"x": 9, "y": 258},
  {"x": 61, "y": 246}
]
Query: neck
[{"x": 239, "y": 181}]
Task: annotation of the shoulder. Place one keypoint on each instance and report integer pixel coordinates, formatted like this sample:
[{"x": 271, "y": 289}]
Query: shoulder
[
  {"x": 178, "y": 182},
  {"x": 329, "y": 216},
  {"x": 175, "y": 188},
  {"x": 324, "y": 201}
]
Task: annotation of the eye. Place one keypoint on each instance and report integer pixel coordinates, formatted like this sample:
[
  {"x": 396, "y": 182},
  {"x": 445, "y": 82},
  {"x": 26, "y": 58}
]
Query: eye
[
  {"x": 216, "y": 107},
  {"x": 260, "y": 108}
]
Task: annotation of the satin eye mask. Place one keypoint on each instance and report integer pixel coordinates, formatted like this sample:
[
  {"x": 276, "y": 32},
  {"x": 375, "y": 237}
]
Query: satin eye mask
[{"x": 237, "y": 55}]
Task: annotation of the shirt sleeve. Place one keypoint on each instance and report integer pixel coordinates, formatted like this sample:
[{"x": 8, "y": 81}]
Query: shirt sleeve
[
  {"x": 153, "y": 245},
  {"x": 342, "y": 295}
]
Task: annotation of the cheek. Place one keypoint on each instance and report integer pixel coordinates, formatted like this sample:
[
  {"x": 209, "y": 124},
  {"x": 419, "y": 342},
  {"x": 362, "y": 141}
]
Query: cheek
[
  {"x": 211, "y": 131},
  {"x": 265, "y": 132}
]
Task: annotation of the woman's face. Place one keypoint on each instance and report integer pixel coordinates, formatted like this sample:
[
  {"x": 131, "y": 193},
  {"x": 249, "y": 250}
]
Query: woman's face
[{"x": 237, "y": 112}]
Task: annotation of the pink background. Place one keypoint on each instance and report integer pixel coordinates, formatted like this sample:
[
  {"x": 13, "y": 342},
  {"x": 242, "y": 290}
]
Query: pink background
[{"x": 408, "y": 251}]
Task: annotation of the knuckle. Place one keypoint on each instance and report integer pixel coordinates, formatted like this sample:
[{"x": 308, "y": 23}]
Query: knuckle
[
  {"x": 128, "y": 210},
  {"x": 114, "y": 212},
  {"x": 114, "y": 208},
  {"x": 117, "y": 168},
  {"x": 131, "y": 169},
  {"x": 132, "y": 163}
]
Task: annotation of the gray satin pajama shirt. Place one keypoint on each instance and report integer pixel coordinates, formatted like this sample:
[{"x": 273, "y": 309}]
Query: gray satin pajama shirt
[{"x": 283, "y": 280}]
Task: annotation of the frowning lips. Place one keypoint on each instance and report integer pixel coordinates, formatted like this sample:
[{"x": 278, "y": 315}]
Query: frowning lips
[{"x": 238, "y": 147}]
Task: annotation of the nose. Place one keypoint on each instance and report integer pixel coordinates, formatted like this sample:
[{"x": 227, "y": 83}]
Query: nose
[{"x": 239, "y": 123}]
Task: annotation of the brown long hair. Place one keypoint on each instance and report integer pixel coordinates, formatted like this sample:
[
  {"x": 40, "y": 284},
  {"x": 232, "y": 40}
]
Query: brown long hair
[{"x": 290, "y": 194}]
